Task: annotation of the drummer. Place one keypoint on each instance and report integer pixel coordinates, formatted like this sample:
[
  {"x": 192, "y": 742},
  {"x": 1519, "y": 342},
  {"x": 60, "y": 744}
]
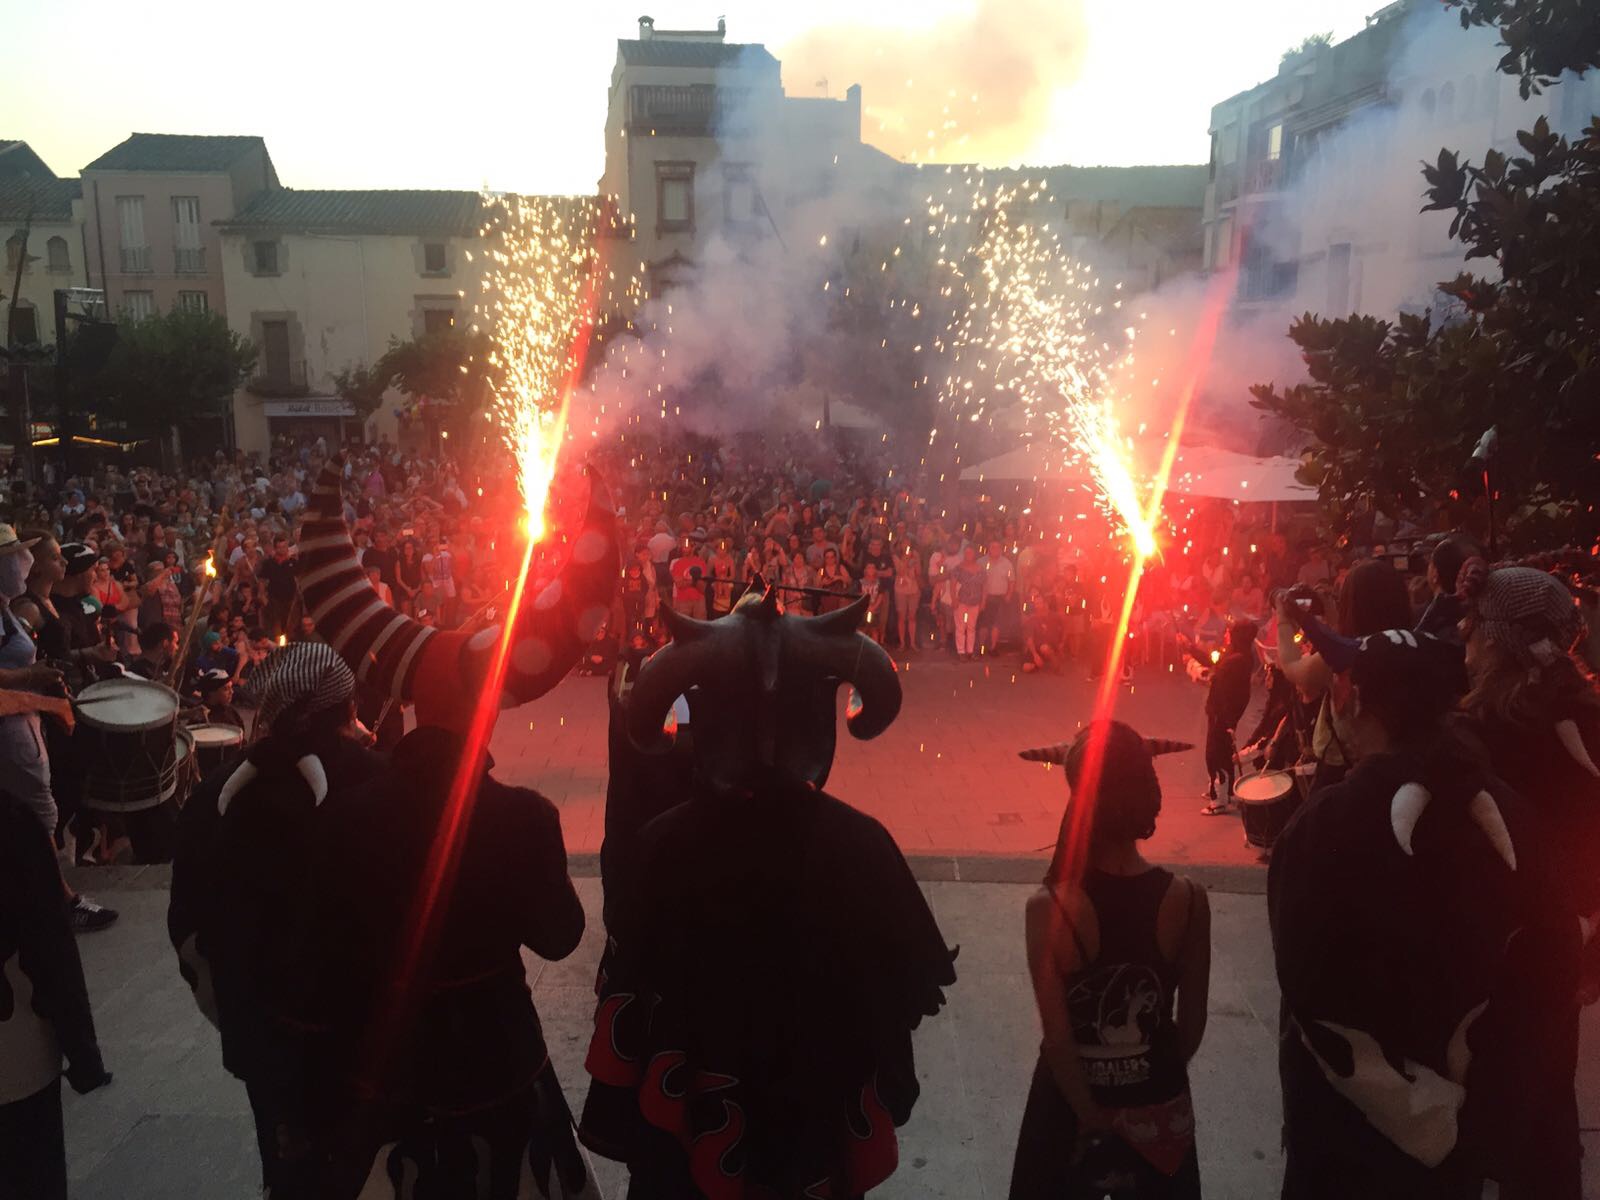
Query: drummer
[{"x": 214, "y": 687}]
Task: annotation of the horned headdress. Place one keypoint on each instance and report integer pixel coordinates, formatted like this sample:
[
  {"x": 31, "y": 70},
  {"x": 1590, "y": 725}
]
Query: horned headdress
[
  {"x": 439, "y": 670},
  {"x": 762, "y": 689}
]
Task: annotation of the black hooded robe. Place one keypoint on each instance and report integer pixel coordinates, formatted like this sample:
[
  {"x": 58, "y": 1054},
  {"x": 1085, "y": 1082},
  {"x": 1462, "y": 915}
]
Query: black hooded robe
[{"x": 755, "y": 1028}]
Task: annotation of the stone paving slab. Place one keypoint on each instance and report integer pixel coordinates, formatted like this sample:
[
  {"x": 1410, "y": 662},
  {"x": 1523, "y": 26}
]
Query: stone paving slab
[{"x": 173, "y": 1124}]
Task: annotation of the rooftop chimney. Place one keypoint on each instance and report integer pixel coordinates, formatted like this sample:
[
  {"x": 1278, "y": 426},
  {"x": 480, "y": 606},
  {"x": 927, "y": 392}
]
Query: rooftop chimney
[
  {"x": 647, "y": 28},
  {"x": 722, "y": 27}
]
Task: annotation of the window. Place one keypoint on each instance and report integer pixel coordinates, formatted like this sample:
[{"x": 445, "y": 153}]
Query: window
[
  {"x": 433, "y": 259},
  {"x": 741, "y": 202},
  {"x": 194, "y": 302},
  {"x": 266, "y": 257},
  {"x": 57, "y": 255},
  {"x": 1275, "y": 143},
  {"x": 674, "y": 197},
  {"x": 138, "y": 306},
  {"x": 14, "y": 245},
  {"x": 438, "y": 320},
  {"x": 188, "y": 254},
  {"x": 275, "y": 352},
  {"x": 130, "y": 223}
]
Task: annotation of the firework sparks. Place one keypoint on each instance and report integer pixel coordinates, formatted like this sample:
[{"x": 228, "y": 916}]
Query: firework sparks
[
  {"x": 539, "y": 301},
  {"x": 1034, "y": 323}
]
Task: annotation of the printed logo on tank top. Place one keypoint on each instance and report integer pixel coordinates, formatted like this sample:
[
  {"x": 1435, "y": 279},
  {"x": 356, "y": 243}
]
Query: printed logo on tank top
[{"x": 1116, "y": 1010}]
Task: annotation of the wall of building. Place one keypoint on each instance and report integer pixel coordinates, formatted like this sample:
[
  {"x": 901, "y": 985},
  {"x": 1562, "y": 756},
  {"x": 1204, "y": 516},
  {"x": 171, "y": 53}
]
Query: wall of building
[
  {"x": 39, "y": 280},
  {"x": 343, "y": 299},
  {"x": 103, "y": 231}
]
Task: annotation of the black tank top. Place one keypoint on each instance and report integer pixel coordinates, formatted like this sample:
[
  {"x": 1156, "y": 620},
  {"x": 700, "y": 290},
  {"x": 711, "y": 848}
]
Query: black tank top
[{"x": 1121, "y": 1004}]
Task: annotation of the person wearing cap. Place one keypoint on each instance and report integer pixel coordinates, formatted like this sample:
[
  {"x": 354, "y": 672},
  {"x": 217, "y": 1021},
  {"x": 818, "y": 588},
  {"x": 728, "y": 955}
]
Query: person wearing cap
[
  {"x": 1412, "y": 910},
  {"x": 241, "y": 900},
  {"x": 1537, "y": 713},
  {"x": 1120, "y": 955},
  {"x": 214, "y": 686}
]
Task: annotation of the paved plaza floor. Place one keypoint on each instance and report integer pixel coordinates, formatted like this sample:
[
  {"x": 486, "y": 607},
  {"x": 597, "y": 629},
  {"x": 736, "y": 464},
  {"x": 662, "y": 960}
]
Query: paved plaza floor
[
  {"x": 945, "y": 778},
  {"x": 174, "y": 1126},
  {"x": 977, "y": 823}
]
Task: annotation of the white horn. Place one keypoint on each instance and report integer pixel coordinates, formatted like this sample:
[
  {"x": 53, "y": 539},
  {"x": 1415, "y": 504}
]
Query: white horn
[
  {"x": 242, "y": 777},
  {"x": 1486, "y": 816},
  {"x": 1405, "y": 810},
  {"x": 310, "y": 768},
  {"x": 1567, "y": 731}
]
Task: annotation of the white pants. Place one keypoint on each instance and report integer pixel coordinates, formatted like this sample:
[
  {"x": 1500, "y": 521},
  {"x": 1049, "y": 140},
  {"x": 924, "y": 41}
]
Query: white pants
[{"x": 967, "y": 627}]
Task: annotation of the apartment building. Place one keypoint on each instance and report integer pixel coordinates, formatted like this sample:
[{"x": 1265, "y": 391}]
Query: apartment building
[
  {"x": 1315, "y": 186},
  {"x": 702, "y": 143},
  {"x": 151, "y": 206}
]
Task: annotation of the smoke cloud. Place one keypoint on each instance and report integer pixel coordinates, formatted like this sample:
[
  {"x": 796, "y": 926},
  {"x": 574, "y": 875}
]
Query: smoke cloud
[{"x": 975, "y": 87}]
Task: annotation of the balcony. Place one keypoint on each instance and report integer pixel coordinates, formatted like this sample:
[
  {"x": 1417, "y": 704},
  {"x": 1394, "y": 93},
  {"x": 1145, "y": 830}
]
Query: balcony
[
  {"x": 281, "y": 380},
  {"x": 693, "y": 110},
  {"x": 189, "y": 260},
  {"x": 135, "y": 260}
]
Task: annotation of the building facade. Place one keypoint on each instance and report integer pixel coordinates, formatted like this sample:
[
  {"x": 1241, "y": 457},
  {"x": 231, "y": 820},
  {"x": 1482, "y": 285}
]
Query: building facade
[
  {"x": 1315, "y": 184},
  {"x": 322, "y": 281},
  {"x": 703, "y": 145},
  {"x": 151, "y": 208},
  {"x": 41, "y": 223}
]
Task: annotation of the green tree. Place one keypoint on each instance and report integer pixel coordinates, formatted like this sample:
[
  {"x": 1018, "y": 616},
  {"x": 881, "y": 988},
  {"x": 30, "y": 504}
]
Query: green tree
[
  {"x": 1391, "y": 411},
  {"x": 169, "y": 369},
  {"x": 1542, "y": 38}
]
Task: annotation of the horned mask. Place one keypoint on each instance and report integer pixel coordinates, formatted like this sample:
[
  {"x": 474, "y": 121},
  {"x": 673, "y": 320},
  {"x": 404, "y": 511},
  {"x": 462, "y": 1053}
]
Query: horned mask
[
  {"x": 440, "y": 671},
  {"x": 762, "y": 688}
]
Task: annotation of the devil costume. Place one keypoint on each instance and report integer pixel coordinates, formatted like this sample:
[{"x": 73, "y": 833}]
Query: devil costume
[
  {"x": 440, "y": 1079},
  {"x": 753, "y": 1032},
  {"x": 1546, "y": 748},
  {"x": 1414, "y": 946},
  {"x": 241, "y": 898},
  {"x": 462, "y": 1053}
]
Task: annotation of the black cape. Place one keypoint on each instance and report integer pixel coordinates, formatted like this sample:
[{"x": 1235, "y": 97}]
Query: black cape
[{"x": 756, "y": 1020}]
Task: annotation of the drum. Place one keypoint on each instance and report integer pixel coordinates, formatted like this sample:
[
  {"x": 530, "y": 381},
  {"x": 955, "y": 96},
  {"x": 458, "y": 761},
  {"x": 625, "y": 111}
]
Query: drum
[
  {"x": 214, "y": 744},
  {"x": 1267, "y": 800},
  {"x": 130, "y": 732}
]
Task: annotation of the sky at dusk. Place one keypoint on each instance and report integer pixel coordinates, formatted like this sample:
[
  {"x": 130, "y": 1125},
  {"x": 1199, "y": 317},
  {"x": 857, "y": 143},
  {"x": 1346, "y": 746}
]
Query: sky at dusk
[{"x": 512, "y": 95}]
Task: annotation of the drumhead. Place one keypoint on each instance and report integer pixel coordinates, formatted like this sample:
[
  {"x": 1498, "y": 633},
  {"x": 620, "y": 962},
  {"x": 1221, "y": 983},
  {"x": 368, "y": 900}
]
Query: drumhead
[
  {"x": 1263, "y": 788},
  {"x": 210, "y": 736},
  {"x": 127, "y": 705}
]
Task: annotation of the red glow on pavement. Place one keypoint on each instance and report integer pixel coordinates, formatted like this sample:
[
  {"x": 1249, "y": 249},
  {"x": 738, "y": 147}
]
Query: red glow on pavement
[{"x": 1086, "y": 793}]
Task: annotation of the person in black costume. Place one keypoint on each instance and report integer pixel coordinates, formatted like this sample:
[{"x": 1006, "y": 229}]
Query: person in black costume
[
  {"x": 241, "y": 898},
  {"x": 1418, "y": 935},
  {"x": 432, "y": 1036},
  {"x": 1537, "y": 712},
  {"x": 774, "y": 953},
  {"x": 1226, "y": 701},
  {"x": 44, "y": 1011},
  {"x": 434, "y": 1076}
]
